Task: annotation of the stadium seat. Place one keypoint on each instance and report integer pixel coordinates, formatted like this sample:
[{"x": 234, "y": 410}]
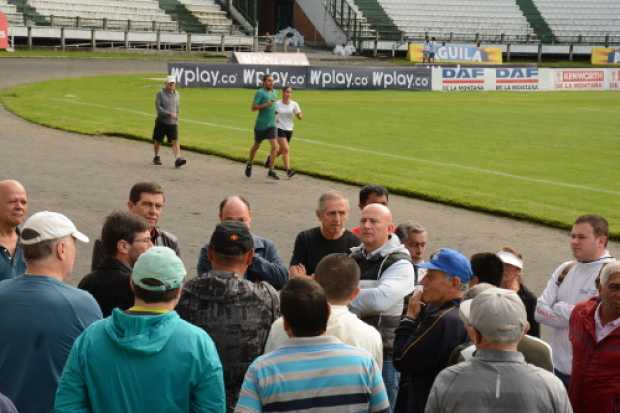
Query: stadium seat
[
  {"x": 592, "y": 19},
  {"x": 13, "y": 16},
  {"x": 461, "y": 19}
]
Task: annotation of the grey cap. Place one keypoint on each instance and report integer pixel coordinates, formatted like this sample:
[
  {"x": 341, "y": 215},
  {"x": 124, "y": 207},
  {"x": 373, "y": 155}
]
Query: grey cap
[{"x": 498, "y": 314}]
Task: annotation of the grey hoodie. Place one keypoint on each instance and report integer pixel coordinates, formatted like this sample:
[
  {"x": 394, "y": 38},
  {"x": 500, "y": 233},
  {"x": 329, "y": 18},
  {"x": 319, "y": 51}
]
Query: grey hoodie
[
  {"x": 385, "y": 295},
  {"x": 165, "y": 104}
]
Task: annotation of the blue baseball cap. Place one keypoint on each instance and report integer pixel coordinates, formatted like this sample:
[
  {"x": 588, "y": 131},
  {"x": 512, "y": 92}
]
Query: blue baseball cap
[{"x": 451, "y": 262}]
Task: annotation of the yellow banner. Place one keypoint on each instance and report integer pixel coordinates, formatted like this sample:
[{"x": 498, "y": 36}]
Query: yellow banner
[
  {"x": 456, "y": 53},
  {"x": 605, "y": 56}
]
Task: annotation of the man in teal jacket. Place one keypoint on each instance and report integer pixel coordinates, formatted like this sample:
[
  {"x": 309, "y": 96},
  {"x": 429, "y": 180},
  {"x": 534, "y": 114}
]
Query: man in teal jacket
[{"x": 146, "y": 358}]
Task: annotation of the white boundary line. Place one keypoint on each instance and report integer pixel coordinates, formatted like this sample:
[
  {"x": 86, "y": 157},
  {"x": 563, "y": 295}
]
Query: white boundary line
[{"x": 367, "y": 151}]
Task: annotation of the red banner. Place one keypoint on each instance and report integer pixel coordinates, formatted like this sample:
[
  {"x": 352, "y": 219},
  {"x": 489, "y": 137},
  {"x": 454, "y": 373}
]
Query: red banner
[{"x": 4, "y": 32}]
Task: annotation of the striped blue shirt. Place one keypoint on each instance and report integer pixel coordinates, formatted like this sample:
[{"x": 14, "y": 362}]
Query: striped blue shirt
[{"x": 313, "y": 374}]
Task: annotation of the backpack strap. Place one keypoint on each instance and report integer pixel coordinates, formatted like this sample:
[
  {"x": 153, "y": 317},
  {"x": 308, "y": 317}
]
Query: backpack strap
[{"x": 565, "y": 272}]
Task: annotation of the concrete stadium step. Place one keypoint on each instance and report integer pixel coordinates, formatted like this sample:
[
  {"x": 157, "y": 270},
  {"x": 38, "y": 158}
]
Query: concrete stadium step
[
  {"x": 572, "y": 18},
  {"x": 378, "y": 19},
  {"x": 133, "y": 4},
  {"x": 102, "y": 15}
]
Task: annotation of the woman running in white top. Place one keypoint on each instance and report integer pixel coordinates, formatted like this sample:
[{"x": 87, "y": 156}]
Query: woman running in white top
[{"x": 286, "y": 112}]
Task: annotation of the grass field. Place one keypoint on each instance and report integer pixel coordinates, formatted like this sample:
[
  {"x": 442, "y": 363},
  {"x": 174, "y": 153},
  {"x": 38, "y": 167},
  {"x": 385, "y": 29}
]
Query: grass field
[{"x": 546, "y": 157}]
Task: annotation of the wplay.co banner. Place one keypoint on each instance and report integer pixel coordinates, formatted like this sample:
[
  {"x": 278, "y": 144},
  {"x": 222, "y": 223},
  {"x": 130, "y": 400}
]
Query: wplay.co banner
[
  {"x": 458, "y": 53},
  {"x": 605, "y": 55},
  {"x": 313, "y": 77}
]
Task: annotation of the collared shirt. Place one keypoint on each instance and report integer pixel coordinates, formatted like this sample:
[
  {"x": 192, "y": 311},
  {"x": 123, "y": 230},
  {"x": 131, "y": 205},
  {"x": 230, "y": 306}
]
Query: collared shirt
[
  {"x": 13, "y": 265},
  {"x": 497, "y": 381},
  {"x": 603, "y": 331},
  {"x": 313, "y": 374},
  {"x": 266, "y": 264},
  {"x": 342, "y": 324}
]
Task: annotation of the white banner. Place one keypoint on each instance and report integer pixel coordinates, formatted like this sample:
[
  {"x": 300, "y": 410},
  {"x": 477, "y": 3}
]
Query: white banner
[{"x": 272, "y": 59}]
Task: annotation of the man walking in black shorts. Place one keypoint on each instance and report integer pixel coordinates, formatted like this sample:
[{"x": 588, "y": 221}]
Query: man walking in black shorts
[{"x": 166, "y": 124}]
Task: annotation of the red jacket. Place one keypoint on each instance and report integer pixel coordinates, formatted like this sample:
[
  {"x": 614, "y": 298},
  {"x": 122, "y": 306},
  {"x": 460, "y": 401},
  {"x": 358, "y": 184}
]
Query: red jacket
[{"x": 595, "y": 377}]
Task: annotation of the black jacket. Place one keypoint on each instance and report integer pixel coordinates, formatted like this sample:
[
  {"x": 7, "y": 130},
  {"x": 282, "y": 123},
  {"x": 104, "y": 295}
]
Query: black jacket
[
  {"x": 109, "y": 284},
  {"x": 422, "y": 348}
]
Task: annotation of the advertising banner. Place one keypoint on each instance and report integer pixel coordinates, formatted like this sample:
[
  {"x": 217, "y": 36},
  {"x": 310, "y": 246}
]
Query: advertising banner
[
  {"x": 518, "y": 79},
  {"x": 465, "y": 79},
  {"x": 259, "y": 58},
  {"x": 614, "y": 79},
  {"x": 457, "y": 53},
  {"x": 369, "y": 78},
  {"x": 194, "y": 75},
  {"x": 579, "y": 79},
  {"x": 605, "y": 56},
  {"x": 4, "y": 31}
]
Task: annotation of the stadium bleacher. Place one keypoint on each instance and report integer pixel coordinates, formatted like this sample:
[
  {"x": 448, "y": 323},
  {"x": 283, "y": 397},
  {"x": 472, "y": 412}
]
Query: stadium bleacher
[
  {"x": 199, "y": 16},
  {"x": 210, "y": 14},
  {"x": 466, "y": 18},
  {"x": 493, "y": 20},
  {"x": 10, "y": 10},
  {"x": 592, "y": 19}
]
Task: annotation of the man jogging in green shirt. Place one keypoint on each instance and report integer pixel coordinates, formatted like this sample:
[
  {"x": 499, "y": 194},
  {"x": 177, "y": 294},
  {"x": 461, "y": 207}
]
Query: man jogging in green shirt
[{"x": 265, "y": 126}]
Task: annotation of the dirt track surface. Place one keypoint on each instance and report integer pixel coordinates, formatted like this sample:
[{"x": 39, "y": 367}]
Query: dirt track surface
[{"x": 87, "y": 177}]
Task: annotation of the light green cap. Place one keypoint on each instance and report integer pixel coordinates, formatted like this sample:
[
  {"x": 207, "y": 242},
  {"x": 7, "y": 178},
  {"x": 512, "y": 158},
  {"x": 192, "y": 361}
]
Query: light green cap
[{"x": 160, "y": 266}]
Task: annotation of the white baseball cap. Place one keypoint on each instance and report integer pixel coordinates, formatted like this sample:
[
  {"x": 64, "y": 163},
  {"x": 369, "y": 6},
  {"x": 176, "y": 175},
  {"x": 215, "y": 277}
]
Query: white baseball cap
[
  {"x": 49, "y": 225},
  {"x": 171, "y": 79},
  {"x": 508, "y": 257}
]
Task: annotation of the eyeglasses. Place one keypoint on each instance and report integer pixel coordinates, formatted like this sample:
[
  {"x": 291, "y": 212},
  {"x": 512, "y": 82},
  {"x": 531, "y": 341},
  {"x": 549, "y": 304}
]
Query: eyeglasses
[{"x": 144, "y": 240}]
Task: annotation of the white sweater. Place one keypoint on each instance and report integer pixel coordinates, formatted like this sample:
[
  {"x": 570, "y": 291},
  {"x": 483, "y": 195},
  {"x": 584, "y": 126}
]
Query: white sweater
[
  {"x": 343, "y": 325},
  {"x": 555, "y": 305}
]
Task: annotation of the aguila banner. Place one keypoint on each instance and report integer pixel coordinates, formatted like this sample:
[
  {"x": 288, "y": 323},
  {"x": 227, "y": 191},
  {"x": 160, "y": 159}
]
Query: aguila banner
[{"x": 457, "y": 53}]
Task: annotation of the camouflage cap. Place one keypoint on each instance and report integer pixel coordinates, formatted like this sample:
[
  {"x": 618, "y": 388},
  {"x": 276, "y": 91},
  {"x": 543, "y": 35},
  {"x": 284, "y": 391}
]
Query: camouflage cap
[{"x": 231, "y": 238}]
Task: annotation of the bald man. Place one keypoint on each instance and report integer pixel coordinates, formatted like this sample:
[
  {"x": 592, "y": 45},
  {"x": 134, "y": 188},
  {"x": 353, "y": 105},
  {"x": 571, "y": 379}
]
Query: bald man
[
  {"x": 13, "y": 210},
  {"x": 266, "y": 264},
  {"x": 387, "y": 276}
]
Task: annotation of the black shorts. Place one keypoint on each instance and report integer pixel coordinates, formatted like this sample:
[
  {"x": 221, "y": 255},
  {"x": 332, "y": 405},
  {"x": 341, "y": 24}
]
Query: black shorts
[
  {"x": 162, "y": 130},
  {"x": 262, "y": 134},
  {"x": 288, "y": 134}
]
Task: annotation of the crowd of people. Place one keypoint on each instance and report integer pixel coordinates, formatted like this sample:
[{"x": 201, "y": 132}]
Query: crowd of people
[{"x": 358, "y": 320}]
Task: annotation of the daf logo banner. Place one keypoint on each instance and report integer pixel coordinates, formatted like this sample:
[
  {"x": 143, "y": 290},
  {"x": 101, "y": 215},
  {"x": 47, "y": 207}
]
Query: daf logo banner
[{"x": 192, "y": 75}]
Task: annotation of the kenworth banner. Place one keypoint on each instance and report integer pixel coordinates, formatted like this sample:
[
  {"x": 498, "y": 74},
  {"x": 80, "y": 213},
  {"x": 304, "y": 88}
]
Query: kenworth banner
[
  {"x": 194, "y": 75},
  {"x": 457, "y": 53}
]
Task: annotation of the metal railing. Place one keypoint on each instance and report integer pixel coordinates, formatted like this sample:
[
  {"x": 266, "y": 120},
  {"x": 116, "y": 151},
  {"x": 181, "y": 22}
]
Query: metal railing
[
  {"x": 350, "y": 20},
  {"x": 101, "y": 23},
  {"x": 501, "y": 38}
]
